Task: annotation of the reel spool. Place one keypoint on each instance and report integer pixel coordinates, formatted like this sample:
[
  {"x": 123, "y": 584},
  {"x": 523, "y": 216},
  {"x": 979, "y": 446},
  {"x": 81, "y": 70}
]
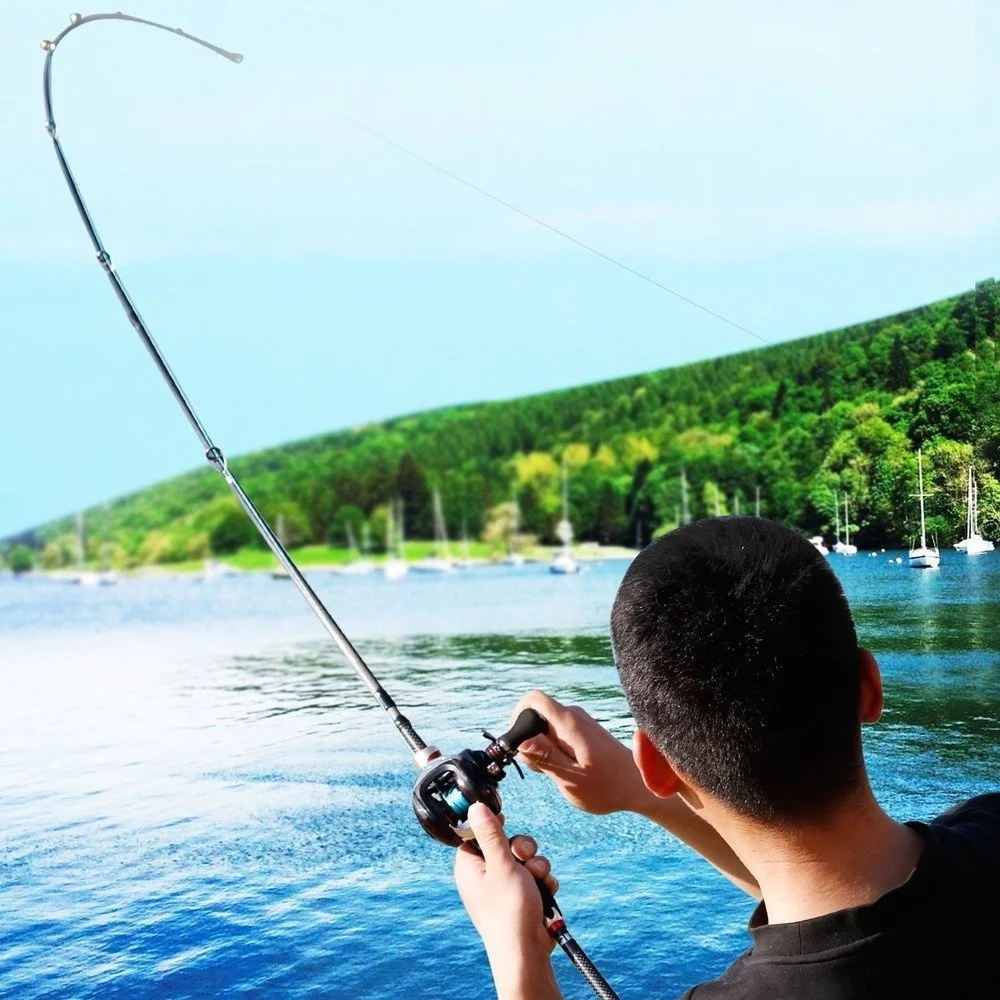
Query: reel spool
[{"x": 447, "y": 786}]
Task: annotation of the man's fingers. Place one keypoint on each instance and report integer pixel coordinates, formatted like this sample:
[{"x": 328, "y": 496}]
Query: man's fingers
[
  {"x": 541, "y": 753},
  {"x": 538, "y": 866},
  {"x": 489, "y": 833},
  {"x": 547, "y": 707},
  {"x": 523, "y": 847}
]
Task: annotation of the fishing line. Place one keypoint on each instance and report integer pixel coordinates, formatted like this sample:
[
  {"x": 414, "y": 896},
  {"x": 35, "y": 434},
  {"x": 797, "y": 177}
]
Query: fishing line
[
  {"x": 445, "y": 787},
  {"x": 551, "y": 228}
]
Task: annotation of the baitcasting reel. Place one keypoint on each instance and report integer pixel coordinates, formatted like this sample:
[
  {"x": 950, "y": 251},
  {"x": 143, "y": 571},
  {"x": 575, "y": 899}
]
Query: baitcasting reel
[{"x": 447, "y": 786}]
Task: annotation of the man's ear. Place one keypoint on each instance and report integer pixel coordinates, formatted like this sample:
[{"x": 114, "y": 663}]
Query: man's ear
[
  {"x": 657, "y": 772},
  {"x": 871, "y": 688}
]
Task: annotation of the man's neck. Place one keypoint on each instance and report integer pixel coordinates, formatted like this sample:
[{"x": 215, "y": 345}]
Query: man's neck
[{"x": 848, "y": 859}]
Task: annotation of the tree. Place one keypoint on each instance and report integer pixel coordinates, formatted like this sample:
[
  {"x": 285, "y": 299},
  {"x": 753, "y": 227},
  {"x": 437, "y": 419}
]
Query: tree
[
  {"x": 609, "y": 520},
  {"x": 228, "y": 528},
  {"x": 411, "y": 486},
  {"x": 21, "y": 559},
  {"x": 898, "y": 376},
  {"x": 346, "y": 515}
]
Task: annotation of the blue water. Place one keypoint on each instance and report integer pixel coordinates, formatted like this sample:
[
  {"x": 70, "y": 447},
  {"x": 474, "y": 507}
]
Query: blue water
[{"x": 198, "y": 799}]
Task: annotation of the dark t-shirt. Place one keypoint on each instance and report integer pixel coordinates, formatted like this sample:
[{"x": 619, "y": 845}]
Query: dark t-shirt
[{"x": 936, "y": 935}]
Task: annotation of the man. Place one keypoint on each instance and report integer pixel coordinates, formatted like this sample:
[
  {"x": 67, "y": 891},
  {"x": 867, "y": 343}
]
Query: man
[{"x": 738, "y": 655}]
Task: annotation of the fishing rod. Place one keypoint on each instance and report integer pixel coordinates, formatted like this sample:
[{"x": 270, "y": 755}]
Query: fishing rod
[{"x": 445, "y": 787}]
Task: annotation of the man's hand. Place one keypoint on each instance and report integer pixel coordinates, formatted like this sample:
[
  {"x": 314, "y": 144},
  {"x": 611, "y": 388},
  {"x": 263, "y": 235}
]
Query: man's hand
[
  {"x": 502, "y": 899},
  {"x": 593, "y": 770}
]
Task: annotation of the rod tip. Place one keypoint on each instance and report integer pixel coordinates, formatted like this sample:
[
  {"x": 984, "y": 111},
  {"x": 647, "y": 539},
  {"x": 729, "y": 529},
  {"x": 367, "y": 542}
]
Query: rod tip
[
  {"x": 237, "y": 57},
  {"x": 75, "y": 18}
]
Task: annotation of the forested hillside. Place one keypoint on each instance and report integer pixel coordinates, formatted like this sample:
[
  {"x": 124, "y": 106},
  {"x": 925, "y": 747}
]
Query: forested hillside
[{"x": 841, "y": 411}]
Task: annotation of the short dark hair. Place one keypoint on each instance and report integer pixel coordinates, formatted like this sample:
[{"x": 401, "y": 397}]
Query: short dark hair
[{"x": 739, "y": 658}]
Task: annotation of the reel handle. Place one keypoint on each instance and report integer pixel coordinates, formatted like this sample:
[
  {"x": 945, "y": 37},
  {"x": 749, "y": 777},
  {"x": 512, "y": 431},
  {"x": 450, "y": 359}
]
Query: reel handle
[{"x": 529, "y": 723}]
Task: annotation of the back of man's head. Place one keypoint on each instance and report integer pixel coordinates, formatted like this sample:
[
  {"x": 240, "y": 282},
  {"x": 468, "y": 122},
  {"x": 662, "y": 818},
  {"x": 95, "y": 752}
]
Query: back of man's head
[{"x": 739, "y": 658}]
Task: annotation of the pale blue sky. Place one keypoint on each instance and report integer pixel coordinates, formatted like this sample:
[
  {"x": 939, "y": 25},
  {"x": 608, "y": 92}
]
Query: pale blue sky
[{"x": 794, "y": 164}]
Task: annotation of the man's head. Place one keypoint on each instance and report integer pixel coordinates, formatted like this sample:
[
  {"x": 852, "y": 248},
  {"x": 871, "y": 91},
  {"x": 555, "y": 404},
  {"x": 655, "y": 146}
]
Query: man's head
[{"x": 739, "y": 658}]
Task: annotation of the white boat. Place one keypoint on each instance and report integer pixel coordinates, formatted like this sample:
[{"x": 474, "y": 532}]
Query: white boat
[
  {"x": 847, "y": 549},
  {"x": 563, "y": 563},
  {"x": 923, "y": 557},
  {"x": 80, "y": 576},
  {"x": 214, "y": 569},
  {"x": 514, "y": 558},
  {"x": 358, "y": 564},
  {"x": 819, "y": 545},
  {"x": 973, "y": 544},
  {"x": 838, "y": 545},
  {"x": 441, "y": 561},
  {"x": 465, "y": 560},
  {"x": 395, "y": 566}
]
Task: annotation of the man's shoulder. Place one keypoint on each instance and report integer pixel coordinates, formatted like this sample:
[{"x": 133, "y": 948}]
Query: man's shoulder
[
  {"x": 970, "y": 831},
  {"x": 979, "y": 813}
]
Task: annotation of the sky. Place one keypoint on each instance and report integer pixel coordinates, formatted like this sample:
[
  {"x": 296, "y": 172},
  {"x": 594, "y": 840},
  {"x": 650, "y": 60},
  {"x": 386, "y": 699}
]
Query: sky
[{"x": 795, "y": 165}]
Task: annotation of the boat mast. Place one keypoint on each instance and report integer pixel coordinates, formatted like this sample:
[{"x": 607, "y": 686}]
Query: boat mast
[
  {"x": 972, "y": 507},
  {"x": 566, "y": 525},
  {"x": 684, "y": 498},
  {"x": 847, "y": 523},
  {"x": 923, "y": 523},
  {"x": 757, "y": 502},
  {"x": 836, "y": 513},
  {"x": 81, "y": 551}
]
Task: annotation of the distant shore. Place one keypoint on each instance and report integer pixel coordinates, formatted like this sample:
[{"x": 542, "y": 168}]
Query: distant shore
[{"x": 323, "y": 558}]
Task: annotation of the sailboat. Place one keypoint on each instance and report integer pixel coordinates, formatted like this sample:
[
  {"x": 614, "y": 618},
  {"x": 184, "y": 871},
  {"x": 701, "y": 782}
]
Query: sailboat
[
  {"x": 846, "y": 548},
  {"x": 973, "y": 544},
  {"x": 395, "y": 566},
  {"x": 357, "y": 564},
  {"x": 106, "y": 575},
  {"x": 82, "y": 576},
  {"x": 923, "y": 557},
  {"x": 563, "y": 563},
  {"x": 514, "y": 558},
  {"x": 441, "y": 561},
  {"x": 215, "y": 569},
  {"x": 819, "y": 545},
  {"x": 279, "y": 572},
  {"x": 838, "y": 545},
  {"x": 465, "y": 560}
]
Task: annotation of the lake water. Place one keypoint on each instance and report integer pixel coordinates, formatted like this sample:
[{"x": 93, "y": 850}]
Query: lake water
[{"x": 198, "y": 799}]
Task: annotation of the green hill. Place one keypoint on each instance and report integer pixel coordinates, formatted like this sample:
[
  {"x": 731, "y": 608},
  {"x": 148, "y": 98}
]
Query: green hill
[{"x": 840, "y": 411}]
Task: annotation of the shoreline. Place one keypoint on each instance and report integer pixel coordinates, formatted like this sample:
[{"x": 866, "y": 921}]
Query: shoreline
[{"x": 536, "y": 555}]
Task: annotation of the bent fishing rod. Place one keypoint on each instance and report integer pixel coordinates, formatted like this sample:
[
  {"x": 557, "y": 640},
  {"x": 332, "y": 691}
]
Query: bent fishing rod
[{"x": 445, "y": 787}]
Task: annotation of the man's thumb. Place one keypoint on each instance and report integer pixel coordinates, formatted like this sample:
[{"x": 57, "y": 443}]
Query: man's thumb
[{"x": 489, "y": 833}]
